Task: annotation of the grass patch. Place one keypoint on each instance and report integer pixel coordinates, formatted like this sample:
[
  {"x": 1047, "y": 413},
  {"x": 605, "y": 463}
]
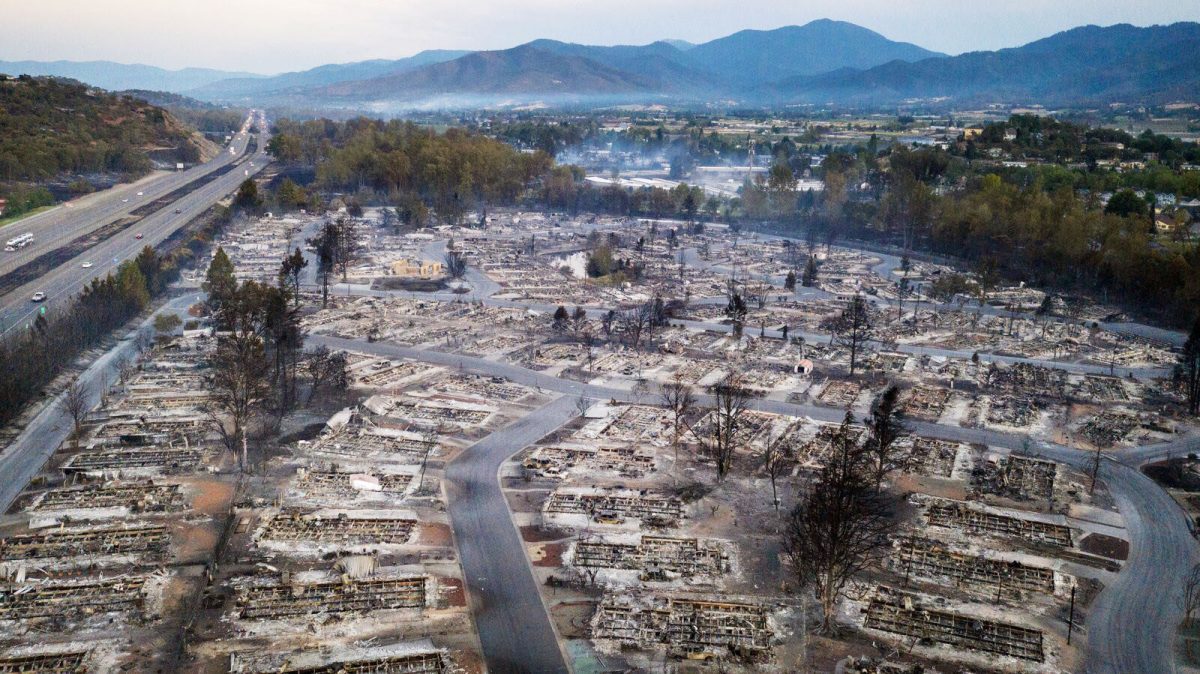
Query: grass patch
[
  {"x": 6, "y": 221},
  {"x": 412, "y": 285}
]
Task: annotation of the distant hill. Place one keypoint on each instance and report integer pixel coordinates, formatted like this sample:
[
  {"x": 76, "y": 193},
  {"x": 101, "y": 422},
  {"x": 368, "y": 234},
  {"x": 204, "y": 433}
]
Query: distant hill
[
  {"x": 660, "y": 66},
  {"x": 751, "y": 57},
  {"x": 120, "y": 76},
  {"x": 521, "y": 73},
  {"x": 681, "y": 45},
  {"x": 250, "y": 88},
  {"x": 51, "y": 127},
  {"x": 1087, "y": 65}
]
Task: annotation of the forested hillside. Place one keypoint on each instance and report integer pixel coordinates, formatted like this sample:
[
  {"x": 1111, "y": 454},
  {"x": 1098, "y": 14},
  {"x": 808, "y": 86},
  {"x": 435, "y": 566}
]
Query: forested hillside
[
  {"x": 50, "y": 128},
  {"x": 204, "y": 117}
]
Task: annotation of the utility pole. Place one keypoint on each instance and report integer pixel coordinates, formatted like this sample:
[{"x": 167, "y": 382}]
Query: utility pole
[{"x": 1071, "y": 620}]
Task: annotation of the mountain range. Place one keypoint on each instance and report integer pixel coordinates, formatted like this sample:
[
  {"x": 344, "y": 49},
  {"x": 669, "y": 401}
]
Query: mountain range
[
  {"x": 826, "y": 63},
  {"x": 121, "y": 76}
]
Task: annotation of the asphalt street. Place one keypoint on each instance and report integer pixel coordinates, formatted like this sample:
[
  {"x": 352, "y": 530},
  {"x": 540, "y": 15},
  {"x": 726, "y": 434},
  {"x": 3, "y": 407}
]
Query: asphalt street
[{"x": 514, "y": 628}]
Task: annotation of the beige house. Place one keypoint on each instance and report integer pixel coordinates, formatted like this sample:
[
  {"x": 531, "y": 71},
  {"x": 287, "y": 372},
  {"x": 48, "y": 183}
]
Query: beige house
[{"x": 416, "y": 268}]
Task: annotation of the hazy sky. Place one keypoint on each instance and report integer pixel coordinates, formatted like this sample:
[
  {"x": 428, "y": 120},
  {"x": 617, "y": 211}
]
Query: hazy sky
[{"x": 270, "y": 36}]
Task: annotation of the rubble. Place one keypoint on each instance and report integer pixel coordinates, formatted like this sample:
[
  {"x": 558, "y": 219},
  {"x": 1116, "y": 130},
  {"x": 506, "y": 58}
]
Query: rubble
[
  {"x": 71, "y": 599},
  {"x": 904, "y": 614},
  {"x": 693, "y": 628},
  {"x": 930, "y": 559},
  {"x": 341, "y": 529},
  {"x": 656, "y": 557},
  {"x": 615, "y": 506},
  {"x": 1016, "y": 477},
  {"x": 972, "y": 520},
  {"x": 89, "y": 542},
  {"x": 286, "y": 600}
]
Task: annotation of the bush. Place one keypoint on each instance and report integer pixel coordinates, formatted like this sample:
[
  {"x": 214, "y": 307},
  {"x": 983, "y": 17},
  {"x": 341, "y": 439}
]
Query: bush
[{"x": 167, "y": 323}]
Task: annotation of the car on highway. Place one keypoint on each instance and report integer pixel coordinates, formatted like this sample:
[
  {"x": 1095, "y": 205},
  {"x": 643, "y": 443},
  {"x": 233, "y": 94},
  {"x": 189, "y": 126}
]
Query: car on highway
[
  {"x": 139, "y": 235},
  {"x": 87, "y": 264},
  {"x": 125, "y": 201},
  {"x": 178, "y": 210},
  {"x": 39, "y": 296},
  {"x": 141, "y": 194}
]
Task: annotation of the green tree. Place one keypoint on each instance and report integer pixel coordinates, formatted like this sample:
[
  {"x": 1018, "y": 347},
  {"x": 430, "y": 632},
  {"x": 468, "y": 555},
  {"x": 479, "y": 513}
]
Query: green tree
[
  {"x": 810, "y": 272},
  {"x": 291, "y": 196},
  {"x": 220, "y": 283},
  {"x": 167, "y": 323},
  {"x": 247, "y": 199},
  {"x": 131, "y": 285},
  {"x": 1126, "y": 203},
  {"x": 600, "y": 262}
]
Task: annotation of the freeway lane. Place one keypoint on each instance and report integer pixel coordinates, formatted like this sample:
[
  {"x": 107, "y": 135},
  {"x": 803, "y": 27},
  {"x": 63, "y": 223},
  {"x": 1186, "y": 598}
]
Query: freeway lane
[
  {"x": 65, "y": 282},
  {"x": 59, "y": 226}
]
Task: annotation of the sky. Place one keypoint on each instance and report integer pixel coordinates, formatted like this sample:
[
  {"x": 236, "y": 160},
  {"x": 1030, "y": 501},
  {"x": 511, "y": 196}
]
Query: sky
[{"x": 270, "y": 36}]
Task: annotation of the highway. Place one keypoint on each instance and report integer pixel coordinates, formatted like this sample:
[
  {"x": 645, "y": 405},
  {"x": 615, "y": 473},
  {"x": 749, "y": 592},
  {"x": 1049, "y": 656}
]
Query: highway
[
  {"x": 66, "y": 222},
  {"x": 66, "y": 281}
]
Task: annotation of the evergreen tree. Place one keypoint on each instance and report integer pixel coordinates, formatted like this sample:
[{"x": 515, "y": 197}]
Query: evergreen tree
[
  {"x": 1189, "y": 369},
  {"x": 220, "y": 283},
  {"x": 810, "y": 272}
]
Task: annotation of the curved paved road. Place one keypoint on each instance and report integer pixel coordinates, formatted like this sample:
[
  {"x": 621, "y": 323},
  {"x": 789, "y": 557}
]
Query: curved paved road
[{"x": 514, "y": 628}]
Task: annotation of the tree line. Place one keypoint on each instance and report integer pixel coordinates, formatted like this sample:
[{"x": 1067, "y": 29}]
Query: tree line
[
  {"x": 452, "y": 172},
  {"x": 1048, "y": 234}
]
